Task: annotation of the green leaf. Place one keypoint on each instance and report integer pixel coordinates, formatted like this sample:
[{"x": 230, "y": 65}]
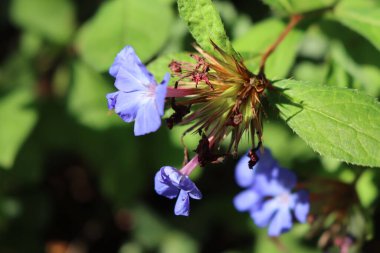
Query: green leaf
[
  {"x": 310, "y": 72},
  {"x": 87, "y": 98},
  {"x": 205, "y": 24},
  {"x": 255, "y": 42},
  {"x": 291, "y": 241},
  {"x": 177, "y": 241},
  {"x": 362, "y": 17},
  {"x": 54, "y": 20},
  {"x": 145, "y": 25},
  {"x": 297, "y": 6},
  {"x": 336, "y": 122},
  {"x": 367, "y": 77},
  {"x": 18, "y": 118},
  {"x": 366, "y": 188}
]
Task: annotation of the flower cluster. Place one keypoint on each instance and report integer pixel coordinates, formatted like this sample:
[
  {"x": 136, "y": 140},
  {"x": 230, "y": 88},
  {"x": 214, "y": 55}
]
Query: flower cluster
[
  {"x": 139, "y": 98},
  {"x": 171, "y": 183},
  {"x": 225, "y": 98},
  {"x": 268, "y": 196},
  {"x": 221, "y": 98}
]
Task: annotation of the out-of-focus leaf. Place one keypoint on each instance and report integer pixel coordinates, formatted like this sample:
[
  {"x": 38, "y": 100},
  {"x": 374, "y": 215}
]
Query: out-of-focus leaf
[
  {"x": 191, "y": 140},
  {"x": 176, "y": 241},
  {"x": 329, "y": 164},
  {"x": 366, "y": 188},
  {"x": 288, "y": 242},
  {"x": 31, "y": 43},
  {"x": 336, "y": 122},
  {"x": 235, "y": 23},
  {"x": 131, "y": 247},
  {"x": 160, "y": 66},
  {"x": 205, "y": 24},
  {"x": 16, "y": 72},
  {"x": 150, "y": 229},
  {"x": 362, "y": 17},
  {"x": 178, "y": 38},
  {"x": 255, "y": 42},
  {"x": 9, "y": 207},
  {"x": 368, "y": 82},
  {"x": 54, "y": 20},
  {"x": 337, "y": 76},
  {"x": 314, "y": 44},
  {"x": 87, "y": 98},
  {"x": 289, "y": 7},
  {"x": 61, "y": 80},
  {"x": 358, "y": 226},
  {"x": 145, "y": 25},
  {"x": 18, "y": 118},
  {"x": 308, "y": 71}
]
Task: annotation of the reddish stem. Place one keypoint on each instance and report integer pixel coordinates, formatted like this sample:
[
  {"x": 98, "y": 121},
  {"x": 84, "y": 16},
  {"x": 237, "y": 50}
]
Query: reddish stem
[
  {"x": 190, "y": 166},
  {"x": 293, "y": 22},
  {"x": 180, "y": 92}
]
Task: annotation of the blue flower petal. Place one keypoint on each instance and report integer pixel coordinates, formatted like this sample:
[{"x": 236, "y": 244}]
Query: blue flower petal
[
  {"x": 195, "y": 193},
  {"x": 140, "y": 97},
  {"x": 161, "y": 91},
  {"x": 164, "y": 189},
  {"x": 134, "y": 79},
  {"x": 302, "y": 205},
  {"x": 266, "y": 161},
  {"x": 111, "y": 99},
  {"x": 275, "y": 181},
  {"x": 182, "y": 206},
  {"x": 187, "y": 185},
  {"x": 148, "y": 119},
  {"x": 171, "y": 175},
  {"x": 246, "y": 200},
  {"x": 127, "y": 60},
  {"x": 121, "y": 58},
  {"x": 281, "y": 222},
  {"x": 127, "y": 105},
  {"x": 243, "y": 174},
  {"x": 262, "y": 215}
]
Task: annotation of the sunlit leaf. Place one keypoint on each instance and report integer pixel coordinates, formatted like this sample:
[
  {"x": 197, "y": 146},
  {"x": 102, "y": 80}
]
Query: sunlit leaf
[
  {"x": 54, "y": 20},
  {"x": 361, "y": 16},
  {"x": 289, "y": 7},
  {"x": 87, "y": 98},
  {"x": 205, "y": 24},
  {"x": 18, "y": 117},
  {"x": 336, "y": 122},
  {"x": 145, "y": 25}
]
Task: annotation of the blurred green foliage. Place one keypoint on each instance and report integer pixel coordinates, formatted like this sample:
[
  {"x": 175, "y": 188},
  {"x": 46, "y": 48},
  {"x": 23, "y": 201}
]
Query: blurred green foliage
[{"x": 72, "y": 175}]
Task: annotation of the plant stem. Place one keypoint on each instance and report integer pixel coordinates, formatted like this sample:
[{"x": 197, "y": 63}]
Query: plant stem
[{"x": 293, "y": 22}]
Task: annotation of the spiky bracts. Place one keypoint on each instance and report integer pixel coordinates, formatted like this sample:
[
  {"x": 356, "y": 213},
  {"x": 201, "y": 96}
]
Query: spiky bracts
[{"x": 226, "y": 101}]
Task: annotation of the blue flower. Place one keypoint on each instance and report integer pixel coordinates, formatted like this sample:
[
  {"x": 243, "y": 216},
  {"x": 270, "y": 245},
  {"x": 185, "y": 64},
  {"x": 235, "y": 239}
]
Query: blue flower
[
  {"x": 169, "y": 182},
  {"x": 268, "y": 196},
  {"x": 139, "y": 98}
]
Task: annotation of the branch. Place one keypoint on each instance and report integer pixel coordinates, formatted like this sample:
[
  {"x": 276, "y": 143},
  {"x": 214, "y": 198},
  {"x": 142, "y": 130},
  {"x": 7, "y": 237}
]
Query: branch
[{"x": 293, "y": 22}]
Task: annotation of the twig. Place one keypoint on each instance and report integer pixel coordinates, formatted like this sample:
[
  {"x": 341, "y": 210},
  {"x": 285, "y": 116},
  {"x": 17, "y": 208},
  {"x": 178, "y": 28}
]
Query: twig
[{"x": 293, "y": 22}]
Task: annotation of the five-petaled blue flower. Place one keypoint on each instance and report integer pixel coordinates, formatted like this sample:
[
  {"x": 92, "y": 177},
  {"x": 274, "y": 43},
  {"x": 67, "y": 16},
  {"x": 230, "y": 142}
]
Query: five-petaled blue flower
[
  {"x": 268, "y": 196},
  {"x": 169, "y": 182},
  {"x": 139, "y": 98}
]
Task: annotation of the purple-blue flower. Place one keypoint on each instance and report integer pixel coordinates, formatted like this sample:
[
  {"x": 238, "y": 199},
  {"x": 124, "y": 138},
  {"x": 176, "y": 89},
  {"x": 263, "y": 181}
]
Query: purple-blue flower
[
  {"x": 169, "y": 182},
  {"x": 268, "y": 196},
  {"x": 139, "y": 98}
]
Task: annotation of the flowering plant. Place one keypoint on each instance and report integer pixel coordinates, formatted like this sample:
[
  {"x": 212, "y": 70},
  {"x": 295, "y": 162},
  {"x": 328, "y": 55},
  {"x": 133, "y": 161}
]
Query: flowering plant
[
  {"x": 232, "y": 126},
  {"x": 216, "y": 95}
]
